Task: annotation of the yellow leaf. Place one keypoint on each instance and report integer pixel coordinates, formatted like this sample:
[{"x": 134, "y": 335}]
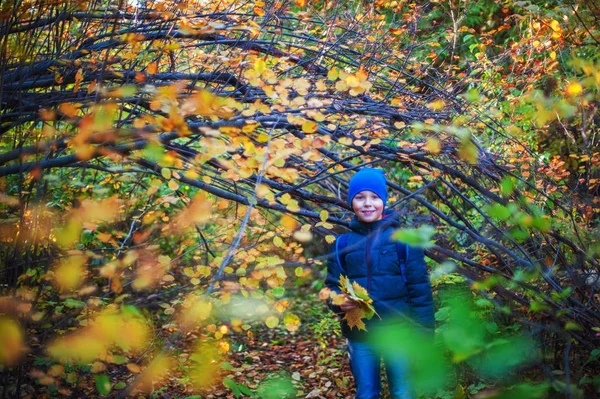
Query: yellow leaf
[
  {"x": 98, "y": 367},
  {"x": 324, "y": 215},
  {"x": 345, "y": 141},
  {"x": 281, "y": 305},
  {"x": 436, "y": 105},
  {"x": 260, "y": 65},
  {"x": 199, "y": 211},
  {"x": 133, "y": 334},
  {"x": 333, "y": 74},
  {"x": 278, "y": 242},
  {"x": 359, "y": 290},
  {"x": 324, "y": 294},
  {"x": 156, "y": 371},
  {"x": 272, "y": 321},
  {"x": 58, "y": 370},
  {"x": 173, "y": 185},
  {"x": 341, "y": 85},
  {"x": 301, "y": 3},
  {"x": 354, "y": 318},
  {"x": 289, "y": 223},
  {"x": 134, "y": 368},
  {"x": 207, "y": 366},
  {"x": 399, "y": 125},
  {"x": 330, "y": 239},
  {"x": 433, "y": 146},
  {"x": 574, "y": 89},
  {"x": 69, "y": 272},
  {"x": 166, "y": 173},
  {"x": 338, "y": 300},
  {"x": 259, "y": 11},
  {"x": 82, "y": 348},
  {"x": 468, "y": 152},
  {"x": 11, "y": 341},
  {"x": 291, "y": 321},
  {"x": 309, "y": 127},
  {"x": 194, "y": 311},
  {"x": 262, "y": 138},
  {"x": 352, "y": 81}
]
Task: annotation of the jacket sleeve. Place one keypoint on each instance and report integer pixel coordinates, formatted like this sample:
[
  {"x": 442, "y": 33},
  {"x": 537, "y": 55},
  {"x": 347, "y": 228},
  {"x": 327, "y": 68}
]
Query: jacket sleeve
[
  {"x": 332, "y": 281},
  {"x": 419, "y": 288}
]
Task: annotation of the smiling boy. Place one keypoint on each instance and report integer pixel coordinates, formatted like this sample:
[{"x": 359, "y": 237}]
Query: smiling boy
[{"x": 395, "y": 276}]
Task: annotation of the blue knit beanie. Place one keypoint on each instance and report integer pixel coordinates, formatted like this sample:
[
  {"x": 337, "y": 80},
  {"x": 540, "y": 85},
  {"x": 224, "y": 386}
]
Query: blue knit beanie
[{"x": 368, "y": 179}]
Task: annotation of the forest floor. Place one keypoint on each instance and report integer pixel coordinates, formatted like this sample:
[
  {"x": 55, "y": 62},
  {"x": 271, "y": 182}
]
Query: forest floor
[
  {"x": 314, "y": 369},
  {"x": 273, "y": 363}
]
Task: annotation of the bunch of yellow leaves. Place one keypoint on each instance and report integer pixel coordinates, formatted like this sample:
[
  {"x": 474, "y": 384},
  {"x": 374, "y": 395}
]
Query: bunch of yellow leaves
[{"x": 359, "y": 294}]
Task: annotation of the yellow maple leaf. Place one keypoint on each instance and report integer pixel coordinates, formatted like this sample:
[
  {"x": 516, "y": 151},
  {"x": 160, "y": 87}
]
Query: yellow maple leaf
[
  {"x": 338, "y": 300},
  {"x": 354, "y": 318},
  {"x": 361, "y": 292}
]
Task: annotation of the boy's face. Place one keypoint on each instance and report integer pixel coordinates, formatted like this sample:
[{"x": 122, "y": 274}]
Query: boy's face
[{"x": 367, "y": 206}]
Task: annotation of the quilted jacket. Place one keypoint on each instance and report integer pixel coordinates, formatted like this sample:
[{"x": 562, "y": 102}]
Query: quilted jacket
[{"x": 372, "y": 259}]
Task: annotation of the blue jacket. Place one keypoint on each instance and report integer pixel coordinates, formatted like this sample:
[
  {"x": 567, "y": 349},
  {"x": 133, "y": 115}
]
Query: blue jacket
[{"x": 371, "y": 259}]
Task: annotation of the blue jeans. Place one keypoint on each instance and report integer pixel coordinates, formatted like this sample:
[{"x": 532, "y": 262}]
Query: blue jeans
[{"x": 365, "y": 363}]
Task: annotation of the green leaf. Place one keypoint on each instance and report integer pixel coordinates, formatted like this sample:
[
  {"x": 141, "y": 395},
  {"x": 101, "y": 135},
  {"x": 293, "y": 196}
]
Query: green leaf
[
  {"x": 129, "y": 310},
  {"x": 419, "y": 237},
  {"x": 154, "y": 152},
  {"x": 103, "y": 385},
  {"x": 245, "y": 390},
  {"x": 118, "y": 359},
  {"x": 507, "y": 186},
  {"x": 442, "y": 314},
  {"x": 227, "y": 366},
  {"x": 74, "y": 304},
  {"x": 229, "y": 383},
  {"x": 430, "y": 370},
  {"x": 500, "y": 212},
  {"x": 503, "y": 355},
  {"x": 572, "y": 326},
  {"x": 472, "y": 95},
  {"x": 537, "y": 306},
  {"x": 277, "y": 387}
]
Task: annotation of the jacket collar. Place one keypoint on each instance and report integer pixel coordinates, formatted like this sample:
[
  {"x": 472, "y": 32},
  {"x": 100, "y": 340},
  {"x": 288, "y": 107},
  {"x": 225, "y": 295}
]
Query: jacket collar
[{"x": 390, "y": 219}]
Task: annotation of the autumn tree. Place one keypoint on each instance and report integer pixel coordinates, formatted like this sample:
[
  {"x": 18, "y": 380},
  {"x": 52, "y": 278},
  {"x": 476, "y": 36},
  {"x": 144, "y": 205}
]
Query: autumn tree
[{"x": 169, "y": 168}]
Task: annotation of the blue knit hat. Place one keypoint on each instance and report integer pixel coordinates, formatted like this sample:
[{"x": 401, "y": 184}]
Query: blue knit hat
[{"x": 368, "y": 179}]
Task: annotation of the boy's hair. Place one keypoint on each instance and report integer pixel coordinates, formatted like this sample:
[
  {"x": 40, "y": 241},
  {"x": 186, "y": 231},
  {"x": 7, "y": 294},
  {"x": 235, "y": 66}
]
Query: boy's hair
[{"x": 370, "y": 179}]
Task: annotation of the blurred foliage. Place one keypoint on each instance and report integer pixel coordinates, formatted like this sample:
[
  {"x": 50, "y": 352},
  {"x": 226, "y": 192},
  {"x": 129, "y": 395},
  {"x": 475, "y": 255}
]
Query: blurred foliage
[{"x": 172, "y": 171}]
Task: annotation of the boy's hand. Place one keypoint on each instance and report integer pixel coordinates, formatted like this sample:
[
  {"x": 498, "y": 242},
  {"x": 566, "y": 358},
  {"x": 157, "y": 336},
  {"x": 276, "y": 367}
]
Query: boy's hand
[{"x": 348, "y": 304}]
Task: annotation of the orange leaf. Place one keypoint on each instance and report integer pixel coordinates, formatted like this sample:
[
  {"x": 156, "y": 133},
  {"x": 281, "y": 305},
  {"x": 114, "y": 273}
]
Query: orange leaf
[
  {"x": 152, "y": 68},
  {"x": 134, "y": 368}
]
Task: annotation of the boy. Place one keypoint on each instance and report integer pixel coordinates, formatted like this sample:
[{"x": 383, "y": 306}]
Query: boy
[{"x": 372, "y": 259}]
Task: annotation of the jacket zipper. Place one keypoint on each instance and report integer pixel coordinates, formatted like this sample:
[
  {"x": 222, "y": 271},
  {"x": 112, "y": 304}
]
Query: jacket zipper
[{"x": 368, "y": 260}]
